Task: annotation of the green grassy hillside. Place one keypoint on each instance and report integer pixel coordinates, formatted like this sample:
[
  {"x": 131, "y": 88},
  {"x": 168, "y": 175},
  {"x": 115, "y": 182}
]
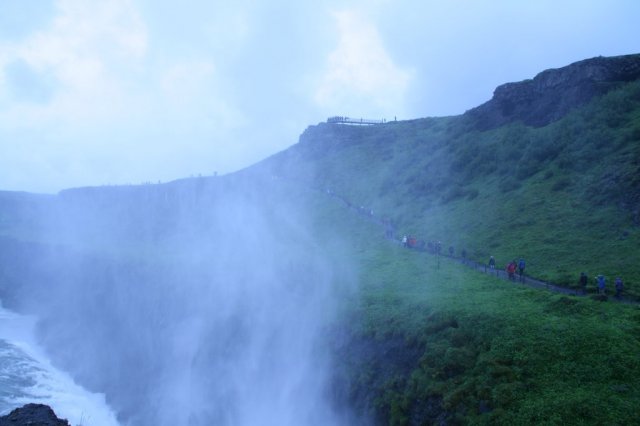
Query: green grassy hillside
[
  {"x": 433, "y": 342},
  {"x": 480, "y": 351},
  {"x": 565, "y": 196}
]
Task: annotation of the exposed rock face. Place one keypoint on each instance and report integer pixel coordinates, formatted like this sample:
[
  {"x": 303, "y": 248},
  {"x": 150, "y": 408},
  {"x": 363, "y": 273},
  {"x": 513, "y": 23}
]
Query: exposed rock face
[
  {"x": 33, "y": 415},
  {"x": 553, "y": 93}
]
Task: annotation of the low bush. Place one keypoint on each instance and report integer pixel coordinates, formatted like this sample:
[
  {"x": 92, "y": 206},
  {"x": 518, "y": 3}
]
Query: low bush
[
  {"x": 561, "y": 184},
  {"x": 509, "y": 184}
]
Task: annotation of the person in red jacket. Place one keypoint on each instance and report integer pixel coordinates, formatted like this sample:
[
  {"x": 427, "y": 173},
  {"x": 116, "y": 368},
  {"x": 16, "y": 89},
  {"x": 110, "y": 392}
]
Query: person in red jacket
[{"x": 511, "y": 270}]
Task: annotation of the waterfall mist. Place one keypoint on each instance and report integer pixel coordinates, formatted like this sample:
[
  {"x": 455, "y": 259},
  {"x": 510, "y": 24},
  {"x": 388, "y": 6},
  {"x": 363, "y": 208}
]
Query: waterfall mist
[{"x": 201, "y": 302}]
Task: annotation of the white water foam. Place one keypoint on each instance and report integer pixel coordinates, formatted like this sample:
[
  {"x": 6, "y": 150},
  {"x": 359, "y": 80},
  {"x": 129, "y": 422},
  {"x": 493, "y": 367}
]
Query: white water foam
[{"x": 27, "y": 376}]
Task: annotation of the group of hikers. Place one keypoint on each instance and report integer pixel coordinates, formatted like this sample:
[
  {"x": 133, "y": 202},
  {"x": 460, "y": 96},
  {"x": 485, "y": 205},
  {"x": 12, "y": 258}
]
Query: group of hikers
[
  {"x": 515, "y": 269},
  {"x": 511, "y": 268},
  {"x": 434, "y": 247},
  {"x": 601, "y": 282},
  {"x": 412, "y": 242}
]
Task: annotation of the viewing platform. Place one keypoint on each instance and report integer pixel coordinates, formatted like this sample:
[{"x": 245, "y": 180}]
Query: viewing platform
[{"x": 358, "y": 121}]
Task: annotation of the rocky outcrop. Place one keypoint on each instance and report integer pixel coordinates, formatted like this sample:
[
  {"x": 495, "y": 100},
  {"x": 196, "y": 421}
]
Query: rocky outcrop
[
  {"x": 555, "y": 92},
  {"x": 33, "y": 415}
]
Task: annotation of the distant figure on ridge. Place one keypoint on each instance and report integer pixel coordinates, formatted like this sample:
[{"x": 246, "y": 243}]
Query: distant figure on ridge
[
  {"x": 492, "y": 262},
  {"x": 583, "y": 282},
  {"x": 619, "y": 287},
  {"x": 404, "y": 241}
]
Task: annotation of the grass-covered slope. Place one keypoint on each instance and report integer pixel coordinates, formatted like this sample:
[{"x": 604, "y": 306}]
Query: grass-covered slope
[
  {"x": 565, "y": 196},
  {"x": 428, "y": 341},
  {"x": 446, "y": 344}
]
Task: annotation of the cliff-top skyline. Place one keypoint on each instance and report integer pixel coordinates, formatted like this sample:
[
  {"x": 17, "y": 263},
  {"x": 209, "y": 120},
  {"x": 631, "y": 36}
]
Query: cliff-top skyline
[{"x": 131, "y": 91}]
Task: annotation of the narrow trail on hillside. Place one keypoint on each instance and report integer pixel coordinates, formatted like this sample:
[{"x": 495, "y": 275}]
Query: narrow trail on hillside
[{"x": 525, "y": 280}]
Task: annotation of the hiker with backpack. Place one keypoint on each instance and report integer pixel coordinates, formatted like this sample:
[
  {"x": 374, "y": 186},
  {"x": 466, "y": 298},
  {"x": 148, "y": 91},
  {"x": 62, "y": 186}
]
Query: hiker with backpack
[
  {"x": 601, "y": 284},
  {"x": 521, "y": 265},
  {"x": 492, "y": 264},
  {"x": 411, "y": 242},
  {"x": 583, "y": 282},
  {"x": 388, "y": 230},
  {"x": 511, "y": 270},
  {"x": 619, "y": 287}
]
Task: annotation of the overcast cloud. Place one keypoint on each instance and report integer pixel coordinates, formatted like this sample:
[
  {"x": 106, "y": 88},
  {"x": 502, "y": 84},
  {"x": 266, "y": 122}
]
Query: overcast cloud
[{"x": 129, "y": 91}]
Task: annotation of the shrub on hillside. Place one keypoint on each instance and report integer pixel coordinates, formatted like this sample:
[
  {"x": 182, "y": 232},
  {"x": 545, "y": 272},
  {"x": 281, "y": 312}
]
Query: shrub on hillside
[
  {"x": 422, "y": 188},
  {"x": 527, "y": 169},
  {"x": 464, "y": 156},
  {"x": 566, "y": 163},
  {"x": 547, "y": 150},
  {"x": 632, "y": 133},
  {"x": 482, "y": 165},
  {"x": 455, "y": 192},
  {"x": 387, "y": 187},
  {"x": 387, "y": 154},
  {"x": 561, "y": 184},
  {"x": 509, "y": 184}
]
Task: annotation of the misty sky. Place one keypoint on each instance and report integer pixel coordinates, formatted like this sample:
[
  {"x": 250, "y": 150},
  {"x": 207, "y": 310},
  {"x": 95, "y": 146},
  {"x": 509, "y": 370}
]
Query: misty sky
[{"x": 96, "y": 92}]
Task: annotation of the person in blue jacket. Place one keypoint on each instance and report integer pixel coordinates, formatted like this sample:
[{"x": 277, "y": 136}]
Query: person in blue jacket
[
  {"x": 521, "y": 265},
  {"x": 619, "y": 287},
  {"x": 601, "y": 284}
]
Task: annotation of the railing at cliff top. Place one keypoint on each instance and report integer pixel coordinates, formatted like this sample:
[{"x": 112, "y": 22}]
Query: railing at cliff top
[{"x": 348, "y": 120}]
